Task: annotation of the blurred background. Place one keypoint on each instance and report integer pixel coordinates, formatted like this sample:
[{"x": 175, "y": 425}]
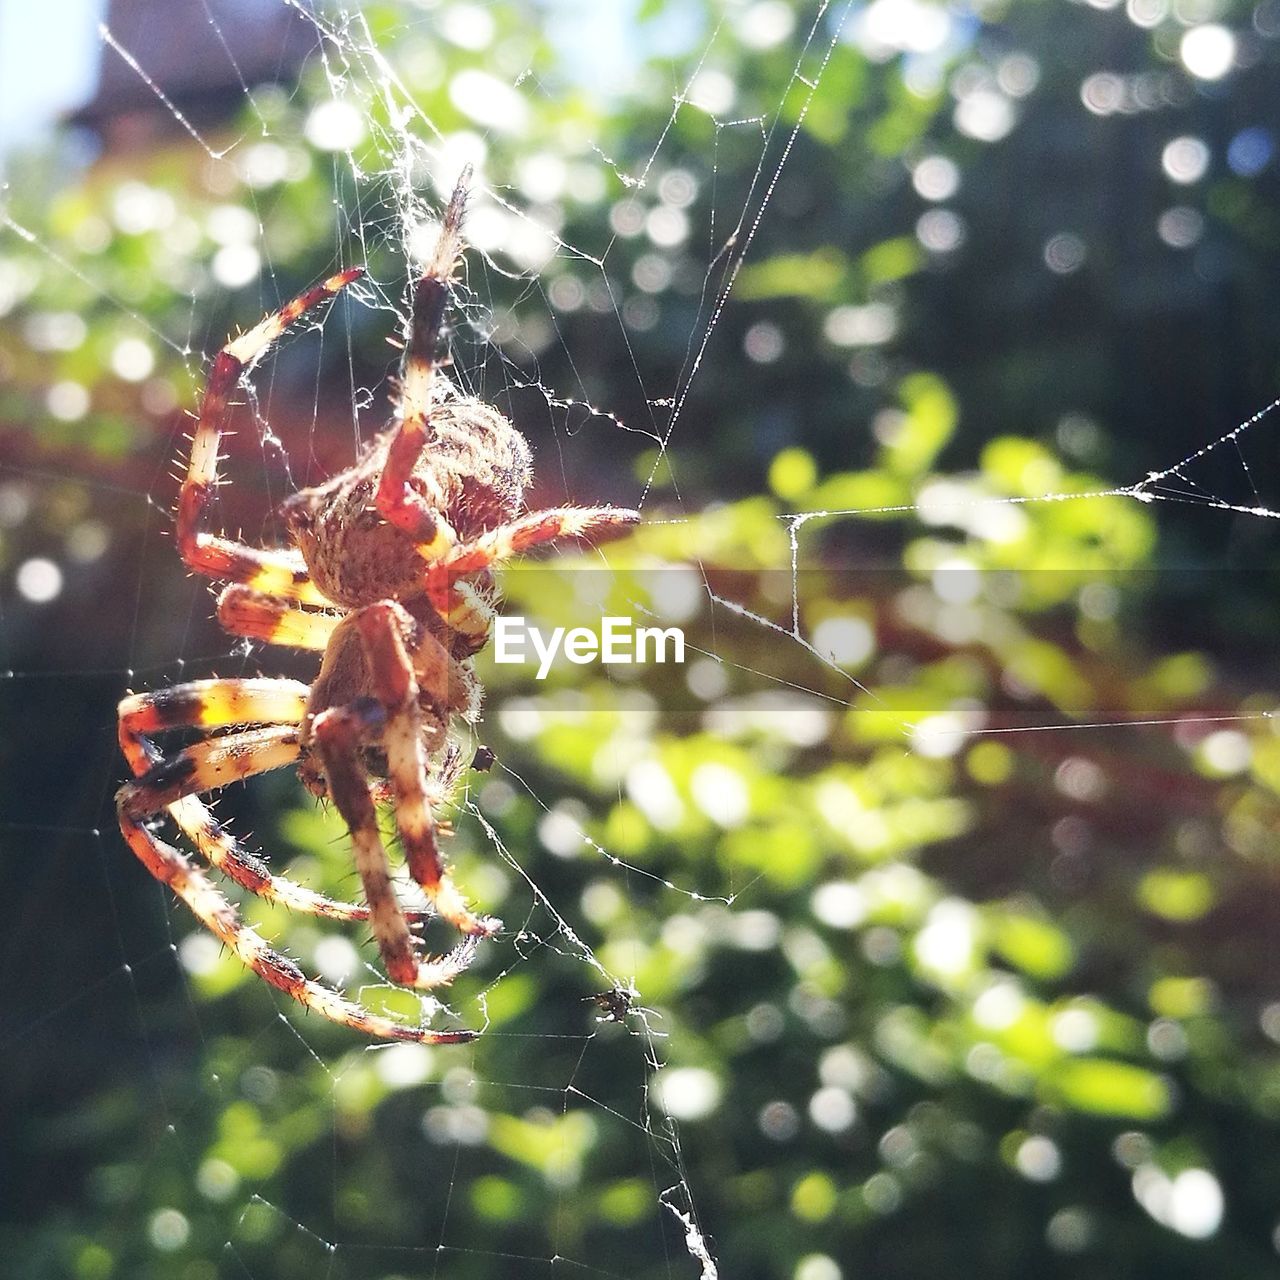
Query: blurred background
[{"x": 935, "y": 343}]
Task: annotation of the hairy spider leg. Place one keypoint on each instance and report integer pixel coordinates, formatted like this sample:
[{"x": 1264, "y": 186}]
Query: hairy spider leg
[
  {"x": 532, "y": 530},
  {"x": 210, "y": 764},
  {"x": 172, "y": 867},
  {"x": 340, "y": 734},
  {"x": 245, "y": 612},
  {"x": 211, "y": 704},
  {"x": 396, "y": 500},
  {"x": 467, "y": 613},
  {"x": 208, "y": 704},
  {"x": 384, "y": 629},
  {"x": 512, "y": 538},
  {"x": 280, "y": 572}
]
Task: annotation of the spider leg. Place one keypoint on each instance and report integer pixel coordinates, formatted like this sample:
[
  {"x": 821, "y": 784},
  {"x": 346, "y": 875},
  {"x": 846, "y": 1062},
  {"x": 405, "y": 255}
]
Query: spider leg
[
  {"x": 520, "y": 535},
  {"x": 340, "y": 732},
  {"x": 172, "y": 867},
  {"x": 278, "y": 572},
  {"x": 532, "y": 530},
  {"x": 467, "y": 612},
  {"x": 208, "y": 765},
  {"x": 396, "y": 500},
  {"x": 208, "y": 704},
  {"x": 245, "y": 612},
  {"x": 396, "y": 679},
  {"x": 213, "y": 704}
]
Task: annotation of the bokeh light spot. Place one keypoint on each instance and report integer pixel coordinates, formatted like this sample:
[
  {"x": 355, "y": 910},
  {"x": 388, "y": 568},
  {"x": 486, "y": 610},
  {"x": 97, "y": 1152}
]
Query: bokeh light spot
[
  {"x": 686, "y": 1093},
  {"x": 1250, "y": 151},
  {"x": 1065, "y": 253},
  {"x": 1185, "y": 159},
  {"x": 335, "y": 126},
  {"x": 936, "y": 178},
  {"x": 39, "y": 580},
  {"x": 132, "y": 359},
  {"x": 1180, "y": 227},
  {"x": 168, "y": 1230},
  {"x": 1208, "y": 51}
]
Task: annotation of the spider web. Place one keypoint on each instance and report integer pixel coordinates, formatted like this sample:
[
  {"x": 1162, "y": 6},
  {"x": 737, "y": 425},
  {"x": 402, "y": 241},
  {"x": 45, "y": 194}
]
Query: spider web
[{"x": 553, "y": 1098}]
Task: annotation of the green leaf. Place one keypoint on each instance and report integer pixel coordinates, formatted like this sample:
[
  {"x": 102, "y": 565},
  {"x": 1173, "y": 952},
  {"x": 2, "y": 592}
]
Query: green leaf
[
  {"x": 1180, "y": 896},
  {"x": 1106, "y": 1088},
  {"x": 792, "y": 473},
  {"x": 1035, "y": 946},
  {"x": 891, "y": 260},
  {"x": 1174, "y": 997},
  {"x": 819, "y": 276},
  {"x": 497, "y": 1199},
  {"x": 813, "y": 1198}
]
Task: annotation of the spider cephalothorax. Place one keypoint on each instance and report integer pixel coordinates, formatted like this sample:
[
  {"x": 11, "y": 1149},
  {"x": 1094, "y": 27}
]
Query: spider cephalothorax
[{"x": 390, "y": 578}]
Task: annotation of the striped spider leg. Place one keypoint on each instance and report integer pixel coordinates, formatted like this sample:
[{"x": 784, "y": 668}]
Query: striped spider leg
[
  {"x": 280, "y": 572},
  {"x": 406, "y": 713},
  {"x": 172, "y": 783},
  {"x": 416, "y": 492}
]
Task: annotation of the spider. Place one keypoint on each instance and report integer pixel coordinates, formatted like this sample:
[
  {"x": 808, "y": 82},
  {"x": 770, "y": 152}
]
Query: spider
[
  {"x": 617, "y": 1004},
  {"x": 389, "y": 578}
]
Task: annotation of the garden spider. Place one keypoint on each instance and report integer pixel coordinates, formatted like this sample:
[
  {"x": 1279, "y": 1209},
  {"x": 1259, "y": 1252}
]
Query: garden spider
[{"x": 390, "y": 578}]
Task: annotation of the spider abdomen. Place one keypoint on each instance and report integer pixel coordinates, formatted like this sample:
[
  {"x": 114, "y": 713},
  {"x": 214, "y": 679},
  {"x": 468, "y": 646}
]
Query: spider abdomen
[{"x": 478, "y": 463}]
